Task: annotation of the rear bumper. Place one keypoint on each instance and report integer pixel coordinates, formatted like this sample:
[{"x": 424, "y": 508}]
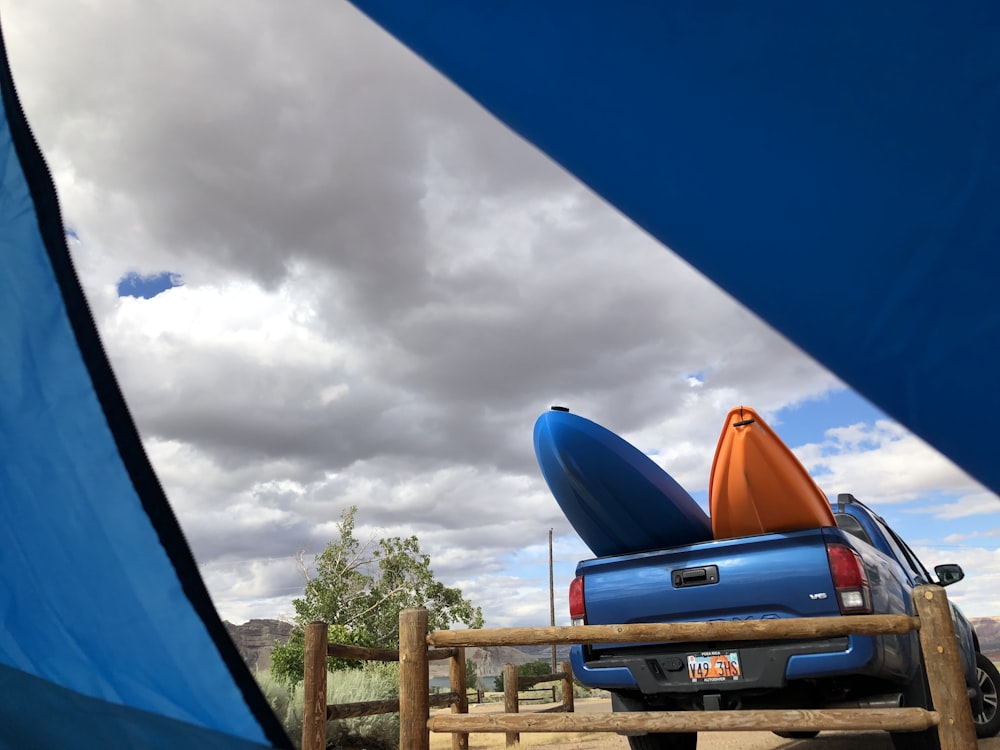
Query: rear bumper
[{"x": 661, "y": 669}]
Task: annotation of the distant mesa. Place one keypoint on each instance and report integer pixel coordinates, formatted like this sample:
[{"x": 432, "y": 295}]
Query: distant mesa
[
  {"x": 988, "y": 632},
  {"x": 255, "y": 639},
  {"x": 490, "y": 660}
]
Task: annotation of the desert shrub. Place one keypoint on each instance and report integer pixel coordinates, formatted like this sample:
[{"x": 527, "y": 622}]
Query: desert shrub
[
  {"x": 275, "y": 691},
  {"x": 374, "y": 681}
]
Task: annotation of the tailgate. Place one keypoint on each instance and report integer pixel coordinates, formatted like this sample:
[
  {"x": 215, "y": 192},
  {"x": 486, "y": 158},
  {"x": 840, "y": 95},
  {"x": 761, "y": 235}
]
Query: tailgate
[{"x": 769, "y": 576}]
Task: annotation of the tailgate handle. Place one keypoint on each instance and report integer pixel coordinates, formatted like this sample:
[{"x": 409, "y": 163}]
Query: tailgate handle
[{"x": 696, "y": 576}]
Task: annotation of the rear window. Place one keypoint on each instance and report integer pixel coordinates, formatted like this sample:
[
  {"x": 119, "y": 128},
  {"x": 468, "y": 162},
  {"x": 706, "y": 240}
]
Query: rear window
[{"x": 851, "y": 525}]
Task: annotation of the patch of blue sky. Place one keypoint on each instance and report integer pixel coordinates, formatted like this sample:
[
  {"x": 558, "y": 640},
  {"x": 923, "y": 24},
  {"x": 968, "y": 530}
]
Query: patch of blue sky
[
  {"x": 918, "y": 521},
  {"x": 808, "y": 422},
  {"x": 133, "y": 284},
  {"x": 700, "y": 497}
]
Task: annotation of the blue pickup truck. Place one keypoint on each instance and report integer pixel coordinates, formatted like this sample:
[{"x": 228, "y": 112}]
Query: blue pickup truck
[{"x": 859, "y": 567}]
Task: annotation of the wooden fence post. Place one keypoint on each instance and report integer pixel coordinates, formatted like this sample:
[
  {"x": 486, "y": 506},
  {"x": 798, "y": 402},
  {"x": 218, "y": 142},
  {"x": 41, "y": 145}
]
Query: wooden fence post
[
  {"x": 314, "y": 688},
  {"x": 567, "y": 687},
  {"x": 459, "y": 686},
  {"x": 945, "y": 675},
  {"x": 510, "y": 705},
  {"x": 414, "y": 680}
]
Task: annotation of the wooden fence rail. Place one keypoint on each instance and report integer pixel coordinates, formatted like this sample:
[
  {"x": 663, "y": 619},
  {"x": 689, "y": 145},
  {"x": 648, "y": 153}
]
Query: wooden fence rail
[{"x": 951, "y": 715}]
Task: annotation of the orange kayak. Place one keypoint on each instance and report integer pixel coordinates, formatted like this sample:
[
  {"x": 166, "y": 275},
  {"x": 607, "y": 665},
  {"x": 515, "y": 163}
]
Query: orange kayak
[{"x": 758, "y": 485}]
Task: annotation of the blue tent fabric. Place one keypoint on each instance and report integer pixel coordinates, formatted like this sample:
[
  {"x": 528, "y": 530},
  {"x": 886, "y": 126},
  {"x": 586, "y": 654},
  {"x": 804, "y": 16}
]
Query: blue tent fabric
[
  {"x": 835, "y": 167},
  {"x": 108, "y": 637},
  {"x": 41, "y": 714}
]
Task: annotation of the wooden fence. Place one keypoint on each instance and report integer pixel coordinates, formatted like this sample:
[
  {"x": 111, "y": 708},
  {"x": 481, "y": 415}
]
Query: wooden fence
[
  {"x": 315, "y": 711},
  {"x": 526, "y": 683},
  {"x": 512, "y": 685},
  {"x": 952, "y": 714}
]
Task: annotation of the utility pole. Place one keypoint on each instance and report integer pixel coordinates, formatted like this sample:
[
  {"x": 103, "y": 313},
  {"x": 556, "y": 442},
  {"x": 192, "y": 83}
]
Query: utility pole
[{"x": 552, "y": 601}]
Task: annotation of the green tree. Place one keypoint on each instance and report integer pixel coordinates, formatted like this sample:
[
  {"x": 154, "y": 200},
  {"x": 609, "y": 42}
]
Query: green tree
[
  {"x": 360, "y": 589},
  {"x": 471, "y": 674},
  {"x": 525, "y": 670}
]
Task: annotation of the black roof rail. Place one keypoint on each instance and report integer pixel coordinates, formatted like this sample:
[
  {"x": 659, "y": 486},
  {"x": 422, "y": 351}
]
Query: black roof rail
[{"x": 845, "y": 498}]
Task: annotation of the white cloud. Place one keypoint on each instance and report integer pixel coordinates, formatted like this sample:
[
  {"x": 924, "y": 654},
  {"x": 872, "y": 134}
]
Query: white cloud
[
  {"x": 882, "y": 463},
  {"x": 976, "y": 504},
  {"x": 951, "y": 539},
  {"x": 979, "y": 593}
]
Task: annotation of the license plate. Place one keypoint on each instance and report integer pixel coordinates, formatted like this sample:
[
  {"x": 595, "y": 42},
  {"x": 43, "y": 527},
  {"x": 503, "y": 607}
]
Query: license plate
[{"x": 714, "y": 666}]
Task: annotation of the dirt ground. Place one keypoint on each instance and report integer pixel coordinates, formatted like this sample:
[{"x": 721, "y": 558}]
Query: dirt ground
[{"x": 706, "y": 740}]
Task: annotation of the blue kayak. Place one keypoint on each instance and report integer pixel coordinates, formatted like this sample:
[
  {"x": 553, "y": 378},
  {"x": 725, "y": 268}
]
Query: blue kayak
[{"x": 616, "y": 498}]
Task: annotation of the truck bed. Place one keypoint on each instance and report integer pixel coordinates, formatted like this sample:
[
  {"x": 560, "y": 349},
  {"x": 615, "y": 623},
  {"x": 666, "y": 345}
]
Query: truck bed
[{"x": 759, "y": 577}]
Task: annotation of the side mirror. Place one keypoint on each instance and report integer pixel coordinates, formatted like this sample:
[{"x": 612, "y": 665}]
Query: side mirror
[{"x": 949, "y": 573}]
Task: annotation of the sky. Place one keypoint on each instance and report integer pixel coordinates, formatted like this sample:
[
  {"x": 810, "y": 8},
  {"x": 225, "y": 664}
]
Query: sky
[{"x": 326, "y": 277}]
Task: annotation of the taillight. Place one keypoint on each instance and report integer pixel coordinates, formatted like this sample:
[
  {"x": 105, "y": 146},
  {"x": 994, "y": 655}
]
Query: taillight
[
  {"x": 850, "y": 581},
  {"x": 577, "y": 609}
]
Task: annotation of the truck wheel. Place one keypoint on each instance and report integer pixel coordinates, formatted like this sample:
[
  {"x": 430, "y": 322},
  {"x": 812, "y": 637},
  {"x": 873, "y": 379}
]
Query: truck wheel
[
  {"x": 672, "y": 741},
  {"x": 988, "y": 721},
  {"x": 796, "y": 735}
]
